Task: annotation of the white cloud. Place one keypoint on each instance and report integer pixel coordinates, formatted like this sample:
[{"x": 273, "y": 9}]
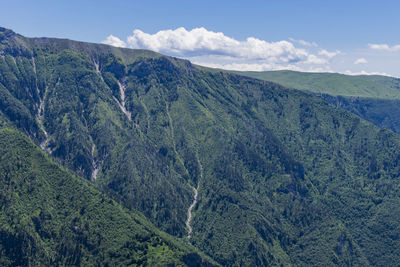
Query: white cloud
[
  {"x": 218, "y": 48},
  {"x": 384, "y": 47},
  {"x": 379, "y": 46},
  {"x": 328, "y": 54},
  {"x": 201, "y": 41},
  {"x": 360, "y": 61},
  {"x": 215, "y": 49},
  {"x": 363, "y": 72},
  {"x": 304, "y": 43},
  {"x": 262, "y": 67},
  {"x": 114, "y": 41},
  {"x": 239, "y": 66},
  {"x": 312, "y": 59}
]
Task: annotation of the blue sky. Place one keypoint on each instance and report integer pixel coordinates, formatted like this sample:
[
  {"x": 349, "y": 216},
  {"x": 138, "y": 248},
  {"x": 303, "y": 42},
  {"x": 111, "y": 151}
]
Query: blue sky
[{"x": 338, "y": 34}]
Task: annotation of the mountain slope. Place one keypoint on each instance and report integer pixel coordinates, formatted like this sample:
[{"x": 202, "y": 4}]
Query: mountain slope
[
  {"x": 384, "y": 113},
  {"x": 50, "y": 217},
  {"x": 52, "y": 91},
  {"x": 282, "y": 177},
  {"x": 374, "y": 98},
  {"x": 371, "y": 86}
]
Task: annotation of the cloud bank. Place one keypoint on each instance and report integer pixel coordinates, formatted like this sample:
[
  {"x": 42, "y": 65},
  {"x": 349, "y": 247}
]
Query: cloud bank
[
  {"x": 199, "y": 42},
  {"x": 211, "y": 48},
  {"x": 363, "y": 72},
  {"x": 217, "y": 50}
]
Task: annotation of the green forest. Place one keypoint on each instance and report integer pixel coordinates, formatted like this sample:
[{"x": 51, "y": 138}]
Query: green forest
[{"x": 102, "y": 148}]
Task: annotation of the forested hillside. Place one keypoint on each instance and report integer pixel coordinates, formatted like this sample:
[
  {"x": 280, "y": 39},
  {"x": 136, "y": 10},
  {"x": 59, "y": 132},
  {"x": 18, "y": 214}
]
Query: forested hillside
[
  {"x": 373, "y": 98},
  {"x": 50, "y": 217},
  {"x": 282, "y": 177}
]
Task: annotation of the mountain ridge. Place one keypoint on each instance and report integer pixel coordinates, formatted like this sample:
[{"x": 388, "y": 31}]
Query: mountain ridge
[
  {"x": 285, "y": 178},
  {"x": 367, "y": 86}
]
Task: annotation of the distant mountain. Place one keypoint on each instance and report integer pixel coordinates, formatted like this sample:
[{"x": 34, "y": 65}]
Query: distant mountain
[
  {"x": 374, "y": 98},
  {"x": 281, "y": 177},
  {"x": 370, "y": 86}
]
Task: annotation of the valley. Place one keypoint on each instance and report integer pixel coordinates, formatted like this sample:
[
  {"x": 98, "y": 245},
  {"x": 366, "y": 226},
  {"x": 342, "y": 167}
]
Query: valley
[{"x": 125, "y": 156}]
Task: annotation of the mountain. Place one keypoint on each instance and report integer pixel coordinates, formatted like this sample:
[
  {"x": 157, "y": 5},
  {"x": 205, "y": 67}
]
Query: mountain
[
  {"x": 373, "y": 98},
  {"x": 368, "y": 86},
  {"x": 51, "y": 217},
  {"x": 249, "y": 172},
  {"x": 384, "y": 113}
]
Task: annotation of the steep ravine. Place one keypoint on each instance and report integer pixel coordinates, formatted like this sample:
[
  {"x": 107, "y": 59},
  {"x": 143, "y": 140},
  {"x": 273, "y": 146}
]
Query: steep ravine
[
  {"x": 40, "y": 110},
  {"x": 122, "y": 103},
  {"x": 96, "y": 165},
  {"x": 40, "y": 117},
  {"x": 189, "y": 212},
  {"x": 195, "y": 197}
]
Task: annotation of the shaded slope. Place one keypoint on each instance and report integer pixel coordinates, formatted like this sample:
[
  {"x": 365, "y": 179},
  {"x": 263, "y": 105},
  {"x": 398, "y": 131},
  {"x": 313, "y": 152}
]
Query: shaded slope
[
  {"x": 50, "y": 217},
  {"x": 374, "y": 98},
  {"x": 384, "y": 113}
]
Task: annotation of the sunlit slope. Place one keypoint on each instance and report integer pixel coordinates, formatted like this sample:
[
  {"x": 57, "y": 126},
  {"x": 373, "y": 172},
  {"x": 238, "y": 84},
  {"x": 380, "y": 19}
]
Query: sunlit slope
[{"x": 371, "y": 86}]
